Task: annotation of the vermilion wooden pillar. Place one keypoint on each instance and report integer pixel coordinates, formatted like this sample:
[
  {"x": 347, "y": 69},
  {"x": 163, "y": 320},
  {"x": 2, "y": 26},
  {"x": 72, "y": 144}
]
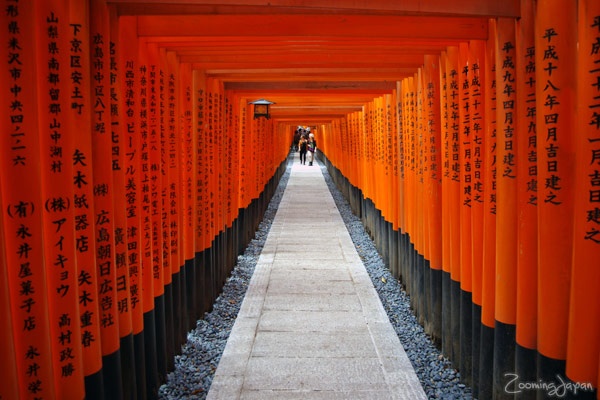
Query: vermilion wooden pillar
[
  {"x": 419, "y": 222},
  {"x": 104, "y": 194},
  {"x": 488, "y": 284},
  {"x": 409, "y": 180},
  {"x": 452, "y": 75},
  {"x": 156, "y": 177},
  {"x": 432, "y": 98},
  {"x": 583, "y": 347},
  {"x": 478, "y": 120},
  {"x": 556, "y": 44},
  {"x": 187, "y": 188},
  {"x": 527, "y": 187},
  {"x": 173, "y": 193},
  {"x": 200, "y": 195},
  {"x": 129, "y": 109},
  {"x": 82, "y": 158},
  {"x": 57, "y": 145},
  {"x": 445, "y": 205},
  {"x": 466, "y": 112},
  {"x": 506, "y": 225},
  {"x": 150, "y": 272},
  {"x": 118, "y": 131},
  {"x": 401, "y": 163}
]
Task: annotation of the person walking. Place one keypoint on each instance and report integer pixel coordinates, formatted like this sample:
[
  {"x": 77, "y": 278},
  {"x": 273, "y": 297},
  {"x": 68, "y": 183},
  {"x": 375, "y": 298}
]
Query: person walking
[
  {"x": 311, "y": 147},
  {"x": 297, "y": 135},
  {"x": 303, "y": 148}
]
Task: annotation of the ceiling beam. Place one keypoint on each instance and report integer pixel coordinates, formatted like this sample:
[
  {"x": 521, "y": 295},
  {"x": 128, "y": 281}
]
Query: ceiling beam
[
  {"x": 317, "y": 60},
  {"x": 371, "y": 74},
  {"x": 504, "y": 8},
  {"x": 290, "y": 86},
  {"x": 291, "y": 25}
]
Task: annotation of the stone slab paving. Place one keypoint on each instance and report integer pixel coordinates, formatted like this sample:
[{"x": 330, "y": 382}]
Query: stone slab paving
[{"x": 311, "y": 325}]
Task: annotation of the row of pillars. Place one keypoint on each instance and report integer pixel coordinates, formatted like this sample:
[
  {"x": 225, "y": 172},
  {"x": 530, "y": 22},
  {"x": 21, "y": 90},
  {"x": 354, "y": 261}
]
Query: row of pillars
[
  {"x": 479, "y": 179},
  {"x": 126, "y": 194}
]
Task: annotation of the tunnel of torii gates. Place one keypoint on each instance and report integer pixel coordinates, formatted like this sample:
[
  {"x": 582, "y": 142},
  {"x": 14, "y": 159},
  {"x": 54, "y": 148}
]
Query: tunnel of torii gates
[{"x": 131, "y": 178}]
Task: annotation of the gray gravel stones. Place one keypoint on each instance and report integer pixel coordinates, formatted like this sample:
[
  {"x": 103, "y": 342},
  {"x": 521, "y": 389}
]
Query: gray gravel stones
[{"x": 197, "y": 363}]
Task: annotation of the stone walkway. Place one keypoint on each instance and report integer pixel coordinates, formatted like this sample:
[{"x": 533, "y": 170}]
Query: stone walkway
[{"x": 311, "y": 325}]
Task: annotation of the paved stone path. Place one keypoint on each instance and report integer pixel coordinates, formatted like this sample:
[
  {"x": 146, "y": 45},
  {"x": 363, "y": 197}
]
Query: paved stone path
[{"x": 311, "y": 325}]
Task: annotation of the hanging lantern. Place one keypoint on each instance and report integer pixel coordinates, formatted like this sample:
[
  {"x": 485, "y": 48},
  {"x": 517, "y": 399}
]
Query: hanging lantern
[{"x": 261, "y": 108}]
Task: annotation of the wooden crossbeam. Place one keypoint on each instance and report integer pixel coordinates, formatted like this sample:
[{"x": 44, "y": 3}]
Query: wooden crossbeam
[
  {"x": 359, "y": 26},
  {"x": 321, "y": 59},
  {"x": 503, "y": 8}
]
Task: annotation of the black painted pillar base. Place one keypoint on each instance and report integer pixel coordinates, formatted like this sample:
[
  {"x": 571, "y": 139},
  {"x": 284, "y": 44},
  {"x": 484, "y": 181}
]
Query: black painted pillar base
[
  {"x": 128, "y": 367},
  {"x": 455, "y": 322},
  {"x": 139, "y": 351},
  {"x": 486, "y": 363},
  {"x": 466, "y": 337},
  {"x": 152, "y": 378},
  {"x": 504, "y": 359},
  {"x": 113, "y": 378},
  {"x": 446, "y": 316},
  {"x": 161, "y": 337},
  {"x": 476, "y": 331},
  {"x": 435, "y": 304},
  {"x": 94, "y": 386},
  {"x": 169, "y": 327},
  {"x": 552, "y": 371}
]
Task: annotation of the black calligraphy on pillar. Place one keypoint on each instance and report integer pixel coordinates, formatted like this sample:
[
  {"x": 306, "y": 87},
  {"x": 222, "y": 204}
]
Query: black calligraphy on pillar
[
  {"x": 454, "y": 127},
  {"x": 491, "y": 143},
  {"x": 394, "y": 143},
  {"x": 131, "y": 164},
  {"x": 86, "y": 278},
  {"x": 114, "y": 109},
  {"x": 104, "y": 257},
  {"x": 201, "y": 164},
  {"x": 58, "y": 206},
  {"x": 209, "y": 151},
  {"x": 551, "y": 98},
  {"x": 117, "y": 100},
  {"x": 509, "y": 160},
  {"x": 173, "y": 165},
  {"x": 21, "y": 211},
  {"x": 380, "y": 129},
  {"x": 445, "y": 118},
  {"x": 154, "y": 169},
  {"x": 164, "y": 229},
  {"x": 228, "y": 152},
  {"x": 15, "y": 66},
  {"x": 145, "y": 180},
  {"x": 431, "y": 97},
  {"x": 188, "y": 167},
  {"x": 102, "y": 189},
  {"x": 389, "y": 120},
  {"x": 592, "y": 217},
  {"x": 530, "y": 116},
  {"x": 467, "y": 102},
  {"x": 421, "y": 149},
  {"x": 412, "y": 112},
  {"x": 477, "y": 133},
  {"x": 76, "y": 66},
  {"x": 98, "y": 95}
]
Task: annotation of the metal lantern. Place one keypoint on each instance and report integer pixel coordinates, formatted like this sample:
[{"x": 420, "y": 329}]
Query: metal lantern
[{"x": 261, "y": 108}]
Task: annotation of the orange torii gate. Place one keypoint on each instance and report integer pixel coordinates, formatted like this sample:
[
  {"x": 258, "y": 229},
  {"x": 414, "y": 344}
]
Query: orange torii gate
[
  {"x": 116, "y": 233},
  {"x": 129, "y": 180}
]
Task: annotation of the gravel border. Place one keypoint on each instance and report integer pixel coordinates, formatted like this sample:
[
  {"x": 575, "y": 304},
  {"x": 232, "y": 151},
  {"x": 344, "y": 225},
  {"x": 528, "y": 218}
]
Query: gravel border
[{"x": 197, "y": 363}]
